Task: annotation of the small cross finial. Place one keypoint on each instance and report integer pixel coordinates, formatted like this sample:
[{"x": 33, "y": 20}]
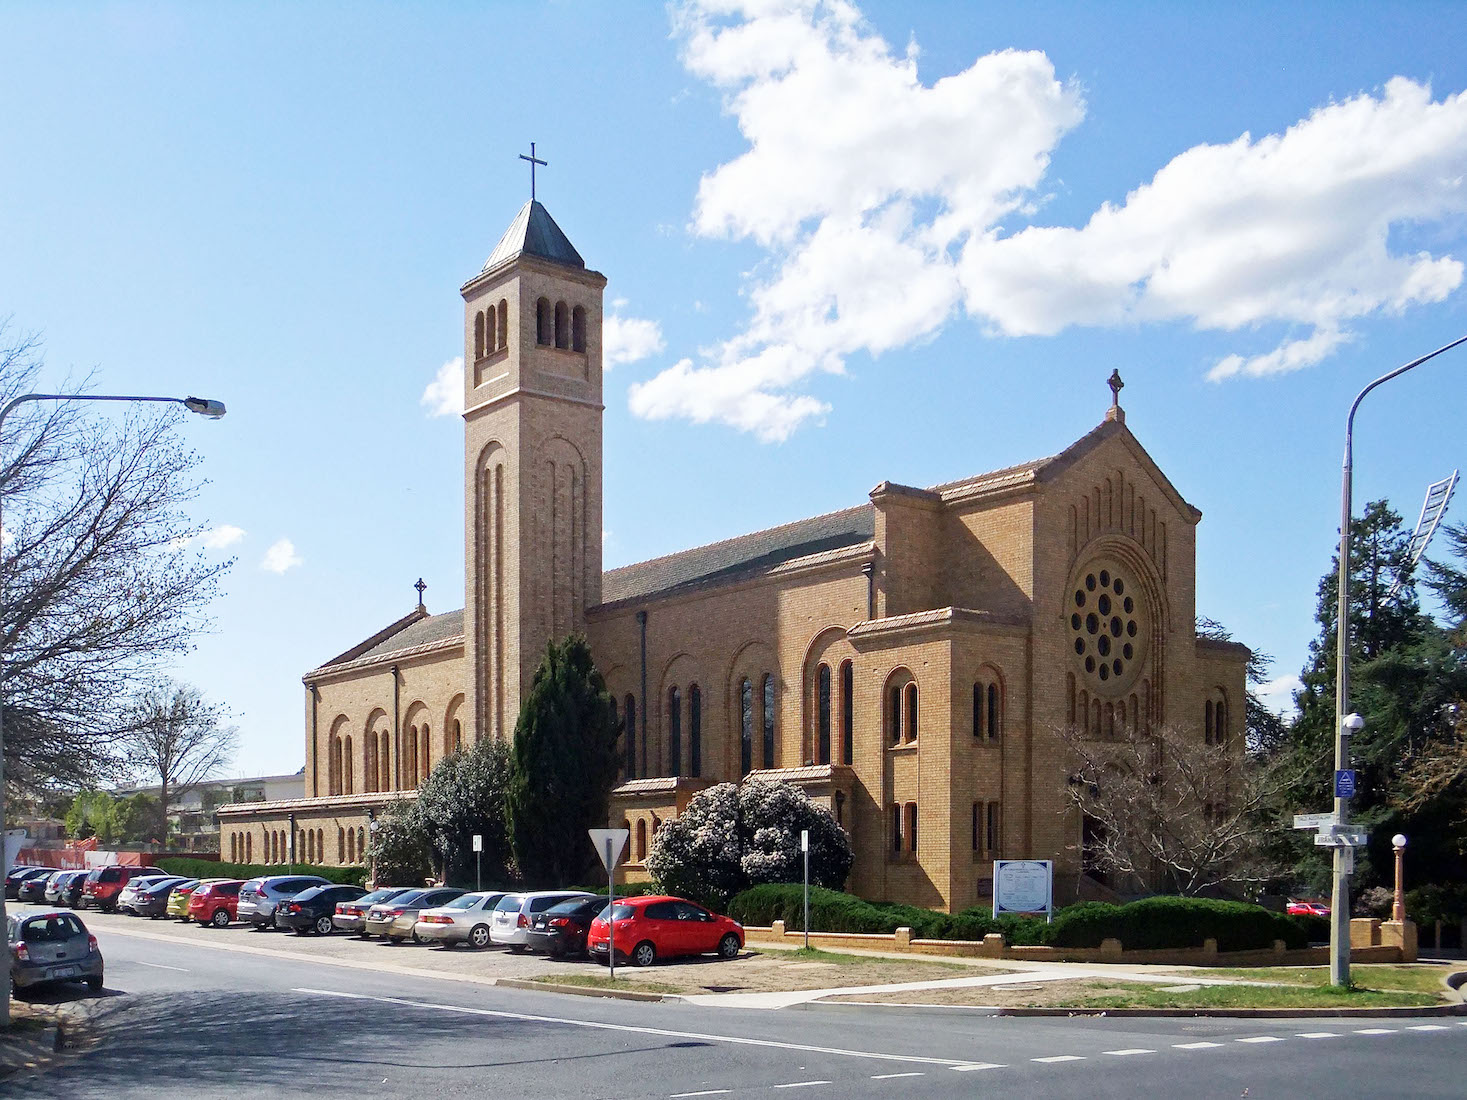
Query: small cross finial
[
  {"x": 534, "y": 160},
  {"x": 1115, "y": 412},
  {"x": 420, "y": 586}
]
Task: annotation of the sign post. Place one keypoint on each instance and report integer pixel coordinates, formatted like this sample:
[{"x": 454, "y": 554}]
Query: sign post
[
  {"x": 805, "y": 847},
  {"x": 609, "y": 844},
  {"x": 478, "y": 856}
]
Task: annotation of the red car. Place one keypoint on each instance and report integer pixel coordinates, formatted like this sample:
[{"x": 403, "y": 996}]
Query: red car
[
  {"x": 104, "y": 884},
  {"x": 215, "y": 903},
  {"x": 1308, "y": 909},
  {"x": 650, "y": 928}
]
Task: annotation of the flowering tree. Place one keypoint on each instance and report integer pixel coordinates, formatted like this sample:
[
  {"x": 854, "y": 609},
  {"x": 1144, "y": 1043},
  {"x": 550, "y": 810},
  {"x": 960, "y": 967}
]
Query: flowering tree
[{"x": 732, "y": 837}]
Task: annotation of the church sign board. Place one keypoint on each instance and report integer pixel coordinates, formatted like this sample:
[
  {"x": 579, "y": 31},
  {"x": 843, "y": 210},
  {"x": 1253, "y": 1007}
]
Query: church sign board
[{"x": 1023, "y": 886}]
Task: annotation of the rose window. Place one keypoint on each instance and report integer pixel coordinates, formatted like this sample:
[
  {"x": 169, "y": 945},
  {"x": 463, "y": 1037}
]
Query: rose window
[{"x": 1105, "y": 626}]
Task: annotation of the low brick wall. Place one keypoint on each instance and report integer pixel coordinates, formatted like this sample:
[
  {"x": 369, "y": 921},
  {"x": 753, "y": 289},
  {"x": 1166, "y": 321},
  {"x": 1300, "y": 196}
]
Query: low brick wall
[{"x": 1390, "y": 946}]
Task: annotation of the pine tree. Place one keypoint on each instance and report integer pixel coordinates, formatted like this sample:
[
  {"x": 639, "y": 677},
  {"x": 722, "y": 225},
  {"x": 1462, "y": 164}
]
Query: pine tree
[
  {"x": 563, "y": 764},
  {"x": 463, "y": 797}
]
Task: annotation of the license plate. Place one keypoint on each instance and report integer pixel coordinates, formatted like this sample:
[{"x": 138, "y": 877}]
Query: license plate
[{"x": 63, "y": 972}]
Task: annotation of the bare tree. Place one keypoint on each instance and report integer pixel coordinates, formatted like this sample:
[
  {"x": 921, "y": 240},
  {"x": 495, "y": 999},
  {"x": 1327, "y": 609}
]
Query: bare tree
[
  {"x": 177, "y": 736},
  {"x": 1168, "y": 811},
  {"x": 101, "y": 579}
]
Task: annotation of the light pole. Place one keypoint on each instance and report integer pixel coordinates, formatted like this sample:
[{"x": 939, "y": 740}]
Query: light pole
[
  {"x": 1339, "y": 929},
  {"x": 372, "y": 840},
  {"x": 1398, "y": 906},
  {"x": 202, "y": 406}
]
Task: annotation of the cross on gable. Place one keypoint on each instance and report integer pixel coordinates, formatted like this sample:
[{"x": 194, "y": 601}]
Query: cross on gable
[
  {"x": 420, "y": 586},
  {"x": 534, "y": 160}
]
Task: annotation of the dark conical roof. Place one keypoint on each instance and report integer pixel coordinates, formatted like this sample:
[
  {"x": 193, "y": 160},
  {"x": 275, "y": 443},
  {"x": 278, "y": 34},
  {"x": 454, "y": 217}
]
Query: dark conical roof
[{"x": 534, "y": 233}]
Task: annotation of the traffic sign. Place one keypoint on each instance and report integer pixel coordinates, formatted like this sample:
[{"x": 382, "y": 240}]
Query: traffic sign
[
  {"x": 1313, "y": 821},
  {"x": 1341, "y": 839},
  {"x": 609, "y": 843},
  {"x": 478, "y": 842},
  {"x": 1345, "y": 783}
]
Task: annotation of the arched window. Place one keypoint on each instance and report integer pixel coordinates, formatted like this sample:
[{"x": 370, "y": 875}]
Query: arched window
[
  {"x": 490, "y": 343},
  {"x": 1207, "y": 722},
  {"x": 320, "y": 845},
  {"x": 369, "y": 744},
  {"x": 630, "y": 709},
  {"x": 822, "y": 714},
  {"x": 979, "y": 711},
  {"x": 695, "y": 731},
  {"x": 361, "y": 844},
  {"x": 616, "y": 725},
  {"x": 909, "y": 696},
  {"x": 896, "y": 827},
  {"x": 233, "y": 848},
  {"x": 425, "y": 764},
  {"x": 562, "y": 325},
  {"x": 641, "y": 841},
  {"x": 351, "y": 845},
  {"x": 333, "y": 767},
  {"x": 503, "y": 326},
  {"x": 769, "y": 721},
  {"x": 479, "y": 335},
  {"x": 578, "y": 328},
  {"x": 1220, "y": 721},
  {"x": 310, "y": 846},
  {"x": 847, "y": 713},
  {"x": 901, "y": 709},
  {"x": 544, "y": 323},
  {"x": 995, "y": 824},
  {"x": 410, "y": 758},
  {"x": 340, "y": 844},
  {"x": 249, "y": 847},
  {"x": 674, "y": 731},
  {"x": 346, "y": 777},
  {"x": 746, "y": 727},
  {"x": 976, "y": 838},
  {"x": 995, "y": 713},
  {"x": 911, "y": 826},
  {"x": 384, "y": 764}
]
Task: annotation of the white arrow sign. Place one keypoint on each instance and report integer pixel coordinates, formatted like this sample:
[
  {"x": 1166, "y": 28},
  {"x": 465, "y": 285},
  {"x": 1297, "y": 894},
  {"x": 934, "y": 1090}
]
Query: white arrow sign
[{"x": 1313, "y": 821}]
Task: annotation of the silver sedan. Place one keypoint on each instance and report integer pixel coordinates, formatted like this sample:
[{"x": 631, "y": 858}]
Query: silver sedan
[{"x": 463, "y": 920}]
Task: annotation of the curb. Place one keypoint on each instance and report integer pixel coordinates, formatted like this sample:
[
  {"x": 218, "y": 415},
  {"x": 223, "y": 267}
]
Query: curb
[
  {"x": 1162, "y": 1013},
  {"x": 580, "y": 990}
]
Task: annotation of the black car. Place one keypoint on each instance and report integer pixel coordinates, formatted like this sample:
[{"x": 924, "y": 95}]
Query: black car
[
  {"x": 561, "y": 929},
  {"x": 311, "y": 910},
  {"x": 13, "y": 878},
  {"x": 32, "y": 888},
  {"x": 152, "y": 899},
  {"x": 71, "y": 895}
]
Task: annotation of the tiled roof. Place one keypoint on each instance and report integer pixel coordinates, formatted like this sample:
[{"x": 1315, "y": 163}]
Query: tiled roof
[
  {"x": 411, "y": 632},
  {"x": 747, "y": 553},
  {"x": 534, "y": 233}
]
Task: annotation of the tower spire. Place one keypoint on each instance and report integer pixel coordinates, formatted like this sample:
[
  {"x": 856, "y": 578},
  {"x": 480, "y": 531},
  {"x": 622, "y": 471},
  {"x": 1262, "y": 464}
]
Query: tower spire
[{"x": 534, "y": 160}]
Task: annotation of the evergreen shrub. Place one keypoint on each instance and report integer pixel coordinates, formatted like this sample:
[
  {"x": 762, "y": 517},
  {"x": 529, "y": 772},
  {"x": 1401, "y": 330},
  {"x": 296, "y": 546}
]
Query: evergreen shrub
[
  {"x": 1164, "y": 922},
  {"x": 210, "y": 868}
]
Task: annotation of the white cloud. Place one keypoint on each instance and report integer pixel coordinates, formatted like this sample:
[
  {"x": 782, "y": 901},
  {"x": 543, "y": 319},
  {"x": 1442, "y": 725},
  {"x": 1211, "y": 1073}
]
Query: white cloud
[
  {"x": 887, "y": 206},
  {"x": 222, "y": 537},
  {"x": 444, "y": 396},
  {"x": 280, "y": 557},
  {"x": 629, "y": 339},
  {"x": 1278, "y": 694}
]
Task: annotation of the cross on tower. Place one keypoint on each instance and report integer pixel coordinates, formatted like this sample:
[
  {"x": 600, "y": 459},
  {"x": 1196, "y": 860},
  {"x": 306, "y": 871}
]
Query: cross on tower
[
  {"x": 534, "y": 160},
  {"x": 1115, "y": 384},
  {"x": 420, "y": 586}
]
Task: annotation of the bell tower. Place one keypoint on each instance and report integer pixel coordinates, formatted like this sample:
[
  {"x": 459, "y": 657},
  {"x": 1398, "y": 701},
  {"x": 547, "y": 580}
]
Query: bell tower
[{"x": 532, "y": 460}]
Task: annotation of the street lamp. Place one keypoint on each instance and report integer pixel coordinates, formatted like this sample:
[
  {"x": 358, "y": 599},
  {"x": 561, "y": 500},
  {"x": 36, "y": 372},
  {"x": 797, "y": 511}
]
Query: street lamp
[
  {"x": 1398, "y": 907},
  {"x": 372, "y": 828},
  {"x": 1339, "y": 929},
  {"x": 203, "y": 406}
]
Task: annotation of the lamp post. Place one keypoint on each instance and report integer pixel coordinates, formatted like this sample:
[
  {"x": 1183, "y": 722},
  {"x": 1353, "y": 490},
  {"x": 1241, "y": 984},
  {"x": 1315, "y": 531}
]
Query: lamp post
[
  {"x": 372, "y": 841},
  {"x": 1339, "y": 930},
  {"x": 1398, "y": 906},
  {"x": 202, "y": 406}
]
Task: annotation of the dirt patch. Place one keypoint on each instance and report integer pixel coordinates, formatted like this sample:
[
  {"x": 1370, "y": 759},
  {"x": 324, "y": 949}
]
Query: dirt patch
[{"x": 1026, "y": 995}]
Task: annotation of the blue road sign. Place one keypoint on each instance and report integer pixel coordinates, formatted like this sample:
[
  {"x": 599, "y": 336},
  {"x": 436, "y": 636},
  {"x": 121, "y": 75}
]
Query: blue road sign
[{"x": 1345, "y": 783}]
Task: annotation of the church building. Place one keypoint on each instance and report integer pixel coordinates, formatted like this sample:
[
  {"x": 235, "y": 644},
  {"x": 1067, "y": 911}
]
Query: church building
[{"x": 909, "y": 661}]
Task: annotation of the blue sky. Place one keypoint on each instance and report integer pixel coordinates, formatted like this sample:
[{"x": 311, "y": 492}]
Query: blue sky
[{"x": 844, "y": 245}]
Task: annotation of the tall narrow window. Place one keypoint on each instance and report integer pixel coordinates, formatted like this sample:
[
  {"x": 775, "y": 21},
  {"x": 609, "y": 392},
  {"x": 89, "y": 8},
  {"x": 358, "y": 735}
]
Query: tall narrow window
[
  {"x": 895, "y": 719},
  {"x": 346, "y": 769},
  {"x": 479, "y": 335},
  {"x": 746, "y": 727},
  {"x": 674, "y": 731},
  {"x": 910, "y": 727},
  {"x": 896, "y": 827},
  {"x": 544, "y": 323},
  {"x": 911, "y": 826},
  {"x": 425, "y": 759},
  {"x": 847, "y": 713},
  {"x": 695, "y": 731},
  {"x": 995, "y": 713},
  {"x": 840, "y": 808},
  {"x": 768, "y": 721},
  {"x": 995, "y": 822},
  {"x": 822, "y": 709},
  {"x": 362, "y": 844},
  {"x": 578, "y": 328},
  {"x": 351, "y": 845},
  {"x": 503, "y": 332},
  {"x": 976, "y": 838},
  {"x": 384, "y": 765},
  {"x": 978, "y": 711},
  {"x": 562, "y": 325},
  {"x": 1207, "y": 722},
  {"x": 1220, "y": 722},
  {"x": 616, "y": 724},
  {"x": 489, "y": 340},
  {"x": 249, "y": 847},
  {"x": 630, "y": 709},
  {"x": 641, "y": 840},
  {"x": 458, "y": 735},
  {"x": 340, "y": 844}
]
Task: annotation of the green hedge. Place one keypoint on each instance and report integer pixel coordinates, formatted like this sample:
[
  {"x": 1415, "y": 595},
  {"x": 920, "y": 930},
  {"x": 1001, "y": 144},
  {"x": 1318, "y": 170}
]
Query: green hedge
[
  {"x": 209, "y": 868},
  {"x": 1159, "y": 922}
]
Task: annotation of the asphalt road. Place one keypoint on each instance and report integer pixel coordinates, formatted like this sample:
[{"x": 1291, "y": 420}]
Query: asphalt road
[{"x": 188, "y": 1019}]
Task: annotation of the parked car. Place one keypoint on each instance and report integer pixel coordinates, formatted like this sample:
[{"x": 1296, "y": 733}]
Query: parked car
[
  {"x": 179, "y": 899},
  {"x": 104, "y": 884},
  {"x": 215, "y": 903},
  {"x": 561, "y": 929},
  {"x": 312, "y": 909},
  {"x": 395, "y": 919},
  {"x": 652, "y": 928},
  {"x": 128, "y": 897},
  {"x": 14, "y": 877},
  {"x": 56, "y": 886},
  {"x": 32, "y": 888},
  {"x": 258, "y": 897},
  {"x": 152, "y": 900},
  {"x": 514, "y": 913},
  {"x": 350, "y": 916},
  {"x": 71, "y": 897},
  {"x": 52, "y": 947},
  {"x": 463, "y": 920},
  {"x": 1304, "y": 907}
]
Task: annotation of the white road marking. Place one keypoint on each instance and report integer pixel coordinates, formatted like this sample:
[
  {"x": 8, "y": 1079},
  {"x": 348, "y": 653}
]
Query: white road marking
[
  {"x": 1375, "y": 1031},
  {"x": 160, "y": 966},
  {"x": 1195, "y": 1046},
  {"x": 1128, "y": 1051},
  {"x": 1319, "y": 1034},
  {"x": 799, "y": 1084},
  {"x": 1059, "y": 1058},
  {"x": 889, "y": 1076},
  {"x": 1429, "y": 1027},
  {"x": 1260, "y": 1039},
  {"x": 706, "y": 1092},
  {"x": 597, "y": 1025},
  {"x": 969, "y": 1067}
]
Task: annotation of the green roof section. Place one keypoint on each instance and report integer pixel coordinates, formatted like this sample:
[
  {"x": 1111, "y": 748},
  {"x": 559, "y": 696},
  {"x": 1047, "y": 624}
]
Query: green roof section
[{"x": 534, "y": 233}]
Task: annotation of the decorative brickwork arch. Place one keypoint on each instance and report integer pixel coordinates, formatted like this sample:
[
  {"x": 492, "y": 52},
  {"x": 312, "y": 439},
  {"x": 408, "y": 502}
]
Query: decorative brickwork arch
[
  {"x": 827, "y": 724},
  {"x": 743, "y": 706}
]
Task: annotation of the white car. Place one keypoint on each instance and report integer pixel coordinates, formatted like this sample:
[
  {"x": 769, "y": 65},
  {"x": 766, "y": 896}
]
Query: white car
[
  {"x": 463, "y": 920},
  {"x": 514, "y": 914}
]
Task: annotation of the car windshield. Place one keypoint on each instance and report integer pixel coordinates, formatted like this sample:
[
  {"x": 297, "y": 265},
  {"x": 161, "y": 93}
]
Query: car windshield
[
  {"x": 465, "y": 901},
  {"x": 510, "y": 903},
  {"x": 620, "y": 912}
]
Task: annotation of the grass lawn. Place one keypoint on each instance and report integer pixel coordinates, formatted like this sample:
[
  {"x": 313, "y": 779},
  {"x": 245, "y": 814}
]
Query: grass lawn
[
  {"x": 1414, "y": 979},
  {"x": 815, "y": 954},
  {"x": 603, "y": 981},
  {"x": 1242, "y": 996}
]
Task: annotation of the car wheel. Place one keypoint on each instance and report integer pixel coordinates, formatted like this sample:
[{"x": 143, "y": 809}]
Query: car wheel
[
  {"x": 517, "y": 948},
  {"x": 479, "y": 936},
  {"x": 644, "y": 954},
  {"x": 323, "y": 926},
  {"x": 728, "y": 947},
  {"x": 95, "y": 984},
  {"x": 417, "y": 938},
  {"x": 220, "y": 919}
]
